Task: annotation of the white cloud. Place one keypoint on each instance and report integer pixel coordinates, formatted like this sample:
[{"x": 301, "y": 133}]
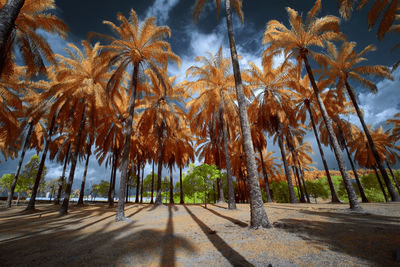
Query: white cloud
[
  {"x": 383, "y": 105},
  {"x": 160, "y": 9}
]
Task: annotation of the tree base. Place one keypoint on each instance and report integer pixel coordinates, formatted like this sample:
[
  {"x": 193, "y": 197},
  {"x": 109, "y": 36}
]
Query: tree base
[
  {"x": 121, "y": 218},
  {"x": 231, "y": 206}
]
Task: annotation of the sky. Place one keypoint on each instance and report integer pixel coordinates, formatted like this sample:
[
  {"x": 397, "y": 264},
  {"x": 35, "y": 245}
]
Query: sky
[{"x": 189, "y": 40}]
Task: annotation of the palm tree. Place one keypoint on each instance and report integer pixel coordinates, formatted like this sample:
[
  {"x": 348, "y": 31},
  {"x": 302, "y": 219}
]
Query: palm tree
[
  {"x": 341, "y": 66},
  {"x": 214, "y": 107},
  {"x": 363, "y": 153},
  {"x": 19, "y": 22},
  {"x": 386, "y": 9},
  {"x": 136, "y": 45},
  {"x": 273, "y": 104},
  {"x": 163, "y": 116},
  {"x": 304, "y": 100},
  {"x": 257, "y": 212},
  {"x": 266, "y": 164},
  {"x": 296, "y": 42}
]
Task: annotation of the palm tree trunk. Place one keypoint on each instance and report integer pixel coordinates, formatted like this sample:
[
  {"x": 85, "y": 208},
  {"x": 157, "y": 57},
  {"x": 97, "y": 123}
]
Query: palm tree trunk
[
  {"x": 62, "y": 178},
  {"x": 269, "y": 199},
  {"x": 141, "y": 185},
  {"x": 334, "y": 197},
  {"x": 82, "y": 192},
  {"x": 393, "y": 195},
  {"x": 171, "y": 186},
  {"x": 303, "y": 181},
  {"x": 127, "y": 186},
  {"x": 231, "y": 192},
  {"x": 354, "y": 205},
  {"x": 112, "y": 179},
  {"x": 258, "y": 216},
  {"x": 302, "y": 198},
  {"x": 8, "y": 15},
  {"x": 120, "y": 216},
  {"x": 31, "y": 204},
  {"x": 181, "y": 186},
  {"x": 14, "y": 183},
  {"x": 152, "y": 184},
  {"x": 292, "y": 196},
  {"x": 159, "y": 171},
  {"x": 138, "y": 184},
  {"x": 74, "y": 160},
  {"x": 364, "y": 198},
  {"x": 297, "y": 181},
  {"x": 380, "y": 184},
  {"x": 394, "y": 178}
]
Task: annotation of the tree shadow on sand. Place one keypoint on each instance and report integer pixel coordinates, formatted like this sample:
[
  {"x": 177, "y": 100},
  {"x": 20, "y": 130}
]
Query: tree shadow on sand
[
  {"x": 109, "y": 243},
  {"x": 366, "y": 236},
  {"x": 235, "y": 221},
  {"x": 229, "y": 253}
]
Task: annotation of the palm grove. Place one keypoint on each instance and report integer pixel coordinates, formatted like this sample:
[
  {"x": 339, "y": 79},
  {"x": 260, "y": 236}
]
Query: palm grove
[{"x": 115, "y": 100}]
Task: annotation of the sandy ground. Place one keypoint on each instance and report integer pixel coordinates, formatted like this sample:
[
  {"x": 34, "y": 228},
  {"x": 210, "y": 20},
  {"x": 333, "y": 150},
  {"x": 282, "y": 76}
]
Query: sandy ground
[{"x": 190, "y": 235}]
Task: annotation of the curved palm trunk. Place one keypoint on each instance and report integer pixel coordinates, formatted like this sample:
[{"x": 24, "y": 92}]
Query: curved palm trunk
[
  {"x": 334, "y": 197},
  {"x": 137, "y": 184},
  {"x": 8, "y": 15},
  {"x": 394, "y": 178},
  {"x": 31, "y": 204},
  {"x": 82, "y": 192},
  {"x": 269, "y": 199},
  {"x": 159, "y": 171},
  {"x": 292, "y": 196},
  {"x": 258, "y": 216},
  {"x": 354, "y": 205},
  {"x": 380, "y": 184},
  {"x": 74, "y": 160},
  {"x": 141, "y": 186},
  {"x": 181, "y": 186},
  {"x": 364, "y": 198},
  {"x": 14, "y": 183},
  {"x": 393, "y": 195},
  {"x": 120, "y": 216},
  {"x": 62, "y": 178},
  {"x": 171, "y": 186},
  {"x": 152, "y": 183}
]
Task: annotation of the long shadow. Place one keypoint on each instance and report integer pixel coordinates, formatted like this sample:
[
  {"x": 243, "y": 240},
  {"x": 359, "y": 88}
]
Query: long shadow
[
  {"x": 215, "y": 205},
  {"x": 124, "y": 245},
  {"x": 168, "y": 252},
  {"x": 370, "y": 237},
  {"x": 229, "y": 253},
  {"x": 78, "y": 218},
  {"x": 235, "y": 221},
  {"x": 136, "y": 212}
]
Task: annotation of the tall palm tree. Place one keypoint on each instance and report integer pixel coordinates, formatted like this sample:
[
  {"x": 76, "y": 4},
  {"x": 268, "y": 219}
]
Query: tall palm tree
[
  {"x": 273, "y": 104},
  {"x": 341, "y": 66},
  {"x": 257, "y": 212},
  {"x": 304, "y": 100},
  {"x": 266, "y": 164},
  {"x": 296, "y": 42},
  {"x": 136, "y": 45},
  {"x": 163, "y": 115},
  {"x": 19, "y": 22},
  {"x": 215, "y": 106},
  {"x": 79, "y": 97}
]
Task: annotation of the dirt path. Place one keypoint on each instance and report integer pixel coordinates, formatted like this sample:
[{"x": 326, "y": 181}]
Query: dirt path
[{"x": 190, "y": 235}]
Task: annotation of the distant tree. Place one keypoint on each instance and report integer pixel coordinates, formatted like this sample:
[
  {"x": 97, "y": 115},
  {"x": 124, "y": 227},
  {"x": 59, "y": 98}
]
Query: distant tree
[
  {"x": 317, "y": 189},
  {"x": 6, "y": 182},
  {"x": 207, "y": 174},
  {"x": 51, "y": 186},
  {"x": 100, "y": 189}
]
